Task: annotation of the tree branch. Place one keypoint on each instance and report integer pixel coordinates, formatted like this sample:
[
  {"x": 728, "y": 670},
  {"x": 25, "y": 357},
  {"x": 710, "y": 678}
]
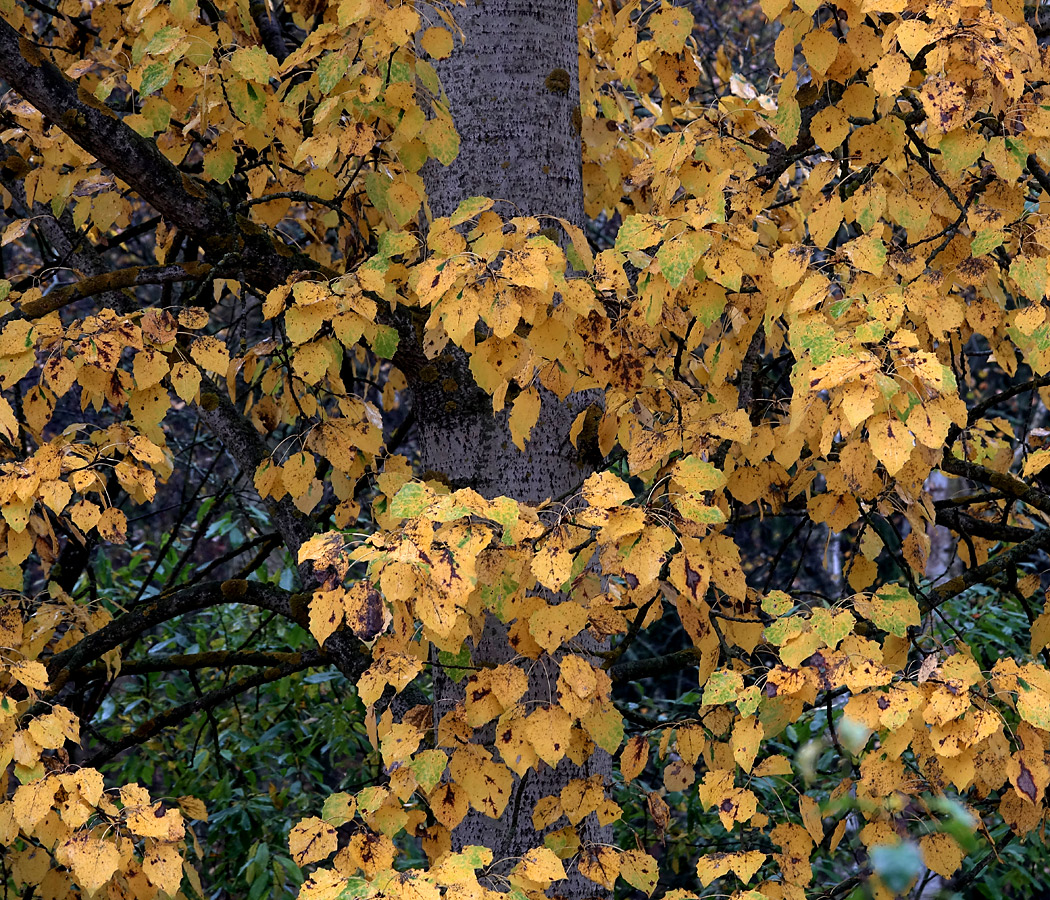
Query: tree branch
[
  {"x": 1010, "y": 485},
  {"x": 982, "y": 528},
  {"x": 112, "y": 281},
  {"x": 655, "y": 666},
  {"x": 181, "y": 662},
  {"x": 1001, "y": 562},
  {"x": 194, "y": 207},
  {"x": 162, "y": 609},
  {"x": 208, "y": 701}
]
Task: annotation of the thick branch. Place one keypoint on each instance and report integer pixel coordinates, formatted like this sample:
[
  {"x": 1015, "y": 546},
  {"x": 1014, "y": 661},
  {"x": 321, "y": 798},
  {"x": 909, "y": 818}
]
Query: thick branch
[
  {"x": 182, "y": 662},
  {"x": 162, "y": 609},
  {"x": 655, "y": 666},
  {"x": 208, "y": 701},
  {"x": 1010, "y": 485},
  {"x": 112, "y": 281},
  {"x": 982, "y": 528},
  {"x": 269, "y": 28},
  {"x": 60, "y": 233},
  {"x": 194, "y": 207},
  {"x": 978, "y": 410},
  {"x": 1001, "y": 562},
  {"x": 240, "y": 439}
]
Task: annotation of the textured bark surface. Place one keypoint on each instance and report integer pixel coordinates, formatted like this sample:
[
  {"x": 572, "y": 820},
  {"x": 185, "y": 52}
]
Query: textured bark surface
[{"x": 513, "y": 88}]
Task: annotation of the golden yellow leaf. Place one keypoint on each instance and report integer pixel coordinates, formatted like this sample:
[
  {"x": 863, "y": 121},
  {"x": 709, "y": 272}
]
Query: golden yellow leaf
[
  {"x": 747, "y": 735},
  {"x": 30, "y": 673},
  {"x": 941, "y": 853},
  {"x": 326, "y": 613},
  {"x": 600, "y": 865},
  {"x": 743, "y": 864},
  {"x": 210, "y": 354},
  {"x": 811, "y": 818},
  {"x": 539, "y": 866},
  {"x": 93, "y": 859},
  {"x": 311, "y": 840},
  {"x": 633, "y": 757},
  {"x": 33, "y": 801},
  {"x": 639, "y": 870},
  {"x": 553, "y": 626},
  {"x": 162, "y": 863}
]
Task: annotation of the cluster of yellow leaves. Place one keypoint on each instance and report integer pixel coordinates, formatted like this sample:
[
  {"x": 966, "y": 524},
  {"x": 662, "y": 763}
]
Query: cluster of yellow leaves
[
  {"x": 906, "y": 233},
  {"x": 63, "y": 833},
  {"x": 199, "y": 78},
  {"x": 706, "y": 263}
]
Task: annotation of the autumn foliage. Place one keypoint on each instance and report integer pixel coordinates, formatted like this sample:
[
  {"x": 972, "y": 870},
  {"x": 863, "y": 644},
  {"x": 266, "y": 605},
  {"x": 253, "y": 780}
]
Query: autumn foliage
[{"x": 814, "y": 299}]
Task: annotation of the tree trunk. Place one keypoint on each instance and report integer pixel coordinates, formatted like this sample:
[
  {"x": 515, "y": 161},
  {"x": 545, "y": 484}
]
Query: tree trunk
[{"x": 513, "y": 89}]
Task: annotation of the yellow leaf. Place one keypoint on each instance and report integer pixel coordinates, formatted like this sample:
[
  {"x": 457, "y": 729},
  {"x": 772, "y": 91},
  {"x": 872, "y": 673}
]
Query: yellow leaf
[
  {"x": 326, "y": 613},
  {"x": 210, "y": 354},
  {"x": 523, "y": 416},
  {"x": 193, "y": 808},
  {"x": 487, "y": 783},
  {"x": 633, "y": 757},
  {"x": 549, "y": 730},
  {"x": 747, "y": 735},
  {"x": 552, "y": 565},
  {"x": 1040, "y": 632},
  {"x": 743, "y": 864},
  {"x": 93, "y": 860},
  {"x": 540, "y": 866},
  {"x": 553, "y": 626},
  {"x": 113, "y": 526},
  {"x": 811, "y": 818},
  {"x": 162, "y": 864},
  {"x": 890, "y": 441},
  {"x": 437, "y": 42},
  {"x": 604, "y": 490},
  {"x": 186, "y": 379},
  {"x": 601, "y": 865},
  {"x": 311, "y": 840},
  {"x": 33, "y": 801},
  {"x": 30, "y": 673},
  {"x": 639, "y": 870},
  {"x": 941, "y": 853}
]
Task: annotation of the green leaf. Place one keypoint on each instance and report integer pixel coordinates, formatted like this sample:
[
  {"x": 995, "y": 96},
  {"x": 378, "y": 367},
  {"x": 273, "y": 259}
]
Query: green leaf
[
  {"x": 722, "y": 687},
  {"x": 384, "y": 344},
  {"x": 442, "y": 140},
  {"x": 897, "y": 865},
  {"x": 248, "y": 102},
  {"x": 428, "y": 767},
  {"x": 678, "y": 256},
  {"x": 452, "y": 662},
  {"x": 639, "y": 232},
  {"x": 165, "y": 40},
  {"x": 330, "y": 71},
  {"x": 155, "y": 76},
  {"x": 469, "y": 208},
  {"x": 219, "y": 164},
  {"x": 253, "y": 63},
  {"x": 777, "y": 603},
  {"x": 355, "y": 887},
  {"x": 411, "y": 500}
]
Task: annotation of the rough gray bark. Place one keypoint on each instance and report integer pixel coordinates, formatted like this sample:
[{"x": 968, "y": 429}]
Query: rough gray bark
[
  {"x": 513, "y": 94},
  {"x": 513, "y": 89}
]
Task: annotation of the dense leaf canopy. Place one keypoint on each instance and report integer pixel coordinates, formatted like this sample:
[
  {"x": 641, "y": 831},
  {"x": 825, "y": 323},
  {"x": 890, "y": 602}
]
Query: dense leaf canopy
[{"x": 795, "y": 588}]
